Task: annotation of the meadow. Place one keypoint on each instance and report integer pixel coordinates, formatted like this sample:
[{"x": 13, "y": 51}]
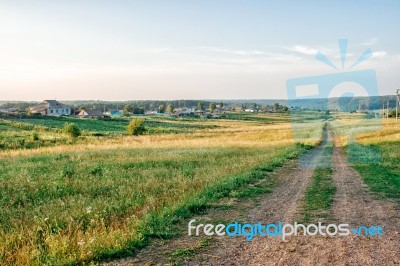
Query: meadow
[
  {"x": 34, "y": 132},
  {"x": 101, "y": 197},
  {"x": 373, "y": 150}
]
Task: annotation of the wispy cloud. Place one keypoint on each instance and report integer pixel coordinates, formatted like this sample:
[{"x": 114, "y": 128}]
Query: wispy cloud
[
  {"x": 303, "y": 50},
  {"x": 370, "y": 42},
  {"x": 157, "y": 50},
  {"x": 379, "y": 54},
  {"x": 249, "y": 56},
  {"x": 232, "y": 51}
]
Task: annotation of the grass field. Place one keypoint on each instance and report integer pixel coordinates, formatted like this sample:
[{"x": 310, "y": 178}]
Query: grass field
[
  {"x": 18, "y": 133},
  {"x": 374, "y": 151},
  {"x": 100, "y": 197},
  {"x": 107, "y": 193}
]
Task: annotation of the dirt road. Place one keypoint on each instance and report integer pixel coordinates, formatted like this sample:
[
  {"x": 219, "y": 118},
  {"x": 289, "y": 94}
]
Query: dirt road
[{"x": 353, "y": 204}]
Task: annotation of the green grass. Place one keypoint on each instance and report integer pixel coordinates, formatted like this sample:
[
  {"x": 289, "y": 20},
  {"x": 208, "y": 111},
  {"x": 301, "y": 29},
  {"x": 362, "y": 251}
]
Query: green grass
[
  {"x": 379, "y": 168},
  {"x": 90, "y": 205},
  {"x": 21, "y": 137},
  {"x": 17, "y": 133},
  {"x": 265, "y": 118},
  {"x": 319, "y": 195},
  {"x": 190, "y": 251},
  {"x": 108, "y": 126}
]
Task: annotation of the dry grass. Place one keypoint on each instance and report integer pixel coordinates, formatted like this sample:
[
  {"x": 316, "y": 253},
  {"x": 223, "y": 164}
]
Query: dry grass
[
  {"x": 103, "y": 196},
  {"x": 228, "y": 134},
  {"x": 355, "y": 128}
]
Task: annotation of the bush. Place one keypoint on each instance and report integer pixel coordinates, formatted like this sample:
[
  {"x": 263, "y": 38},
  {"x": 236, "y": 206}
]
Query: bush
[
  {"x": 35, "y": 136},
  {"x": 136, "y": 127},
  {"x": 71, "y": 130}
]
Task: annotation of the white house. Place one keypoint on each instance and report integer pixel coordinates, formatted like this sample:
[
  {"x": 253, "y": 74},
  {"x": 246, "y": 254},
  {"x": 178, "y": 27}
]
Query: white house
[{"x": 51, "y": 108}]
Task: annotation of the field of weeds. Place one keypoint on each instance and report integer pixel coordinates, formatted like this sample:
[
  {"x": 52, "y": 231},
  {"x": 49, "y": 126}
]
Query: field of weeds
[{"x": 104, "y": 197}]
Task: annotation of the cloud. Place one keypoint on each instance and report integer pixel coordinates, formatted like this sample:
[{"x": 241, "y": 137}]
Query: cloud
[
  {"x": 379, "y": 54},
  {"x": 303, "y": 50},
  {"x": 233, "y": 52},
  {"x": 370, "y": 42},
  {"x": 157, "y": 50},
  {"x": 248, "y": 56}
]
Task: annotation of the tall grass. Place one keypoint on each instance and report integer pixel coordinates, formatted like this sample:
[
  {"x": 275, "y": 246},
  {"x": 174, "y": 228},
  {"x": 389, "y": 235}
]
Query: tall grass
[
  {"x": 75, "y": 207},
  {"x": 101, "y": 199},
  {"x": 374, "y": 153}
]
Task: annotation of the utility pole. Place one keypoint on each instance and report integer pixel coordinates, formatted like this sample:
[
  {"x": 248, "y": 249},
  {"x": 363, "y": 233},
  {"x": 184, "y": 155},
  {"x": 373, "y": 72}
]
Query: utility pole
[
  {"x": 387, "y": 108},
  {"x": 397, "y": 104},
  {"x": 383, "y": 110}
]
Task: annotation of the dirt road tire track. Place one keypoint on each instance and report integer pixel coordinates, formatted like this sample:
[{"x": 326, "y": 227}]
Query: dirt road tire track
[{"x": 353, "y": 204}]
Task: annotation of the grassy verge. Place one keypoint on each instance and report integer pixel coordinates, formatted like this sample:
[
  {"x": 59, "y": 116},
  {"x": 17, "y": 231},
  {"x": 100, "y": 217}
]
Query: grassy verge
[
  {"x": 380, "y": 167},
  {"x": 319, "y": 195}
]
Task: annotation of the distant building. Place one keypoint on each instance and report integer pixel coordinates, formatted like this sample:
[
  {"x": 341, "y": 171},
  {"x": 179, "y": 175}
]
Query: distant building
[
  {"x": 213, "y": 116},
  {"x": 200, "y": 113},
  {"x": 9, "y": 112},
  {"x": 51, "y": 108},
  {"x": 91, "y": 114},
  {"x": 152, "y": 112},
  {"x": 113, "y": 113},
  {"x": 184, "y": 112}
]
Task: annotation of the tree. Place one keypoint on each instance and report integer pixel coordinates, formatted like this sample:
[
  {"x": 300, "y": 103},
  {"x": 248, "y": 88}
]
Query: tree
[
  {"x": 212, "y": 107},
  {"x": 170, "y": 108},
  {"x": 161, "y": 109},
  {"x": 138, "y": 110},
  {"x": 136, "y": 127},
  {"x": 221, "y": 104},
  {"x": 200, "y": 106},
  {"x": 71, "y": 130},
  {"x": 128, "y": 109}
]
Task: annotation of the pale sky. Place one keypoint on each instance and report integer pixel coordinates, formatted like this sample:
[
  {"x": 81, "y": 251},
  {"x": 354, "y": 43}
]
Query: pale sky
[{"x": 127, "y": 50}]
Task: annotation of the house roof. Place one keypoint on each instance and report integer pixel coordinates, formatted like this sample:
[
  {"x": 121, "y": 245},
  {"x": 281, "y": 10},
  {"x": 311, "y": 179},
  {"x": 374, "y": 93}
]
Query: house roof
[
  {"x": 53, "y": 103},
  {"x": 92, "y": 112},
  {"x": 38, "y": 108},
  {"x": 9, "y": 110},
  {"x": 46, "y": 104}
]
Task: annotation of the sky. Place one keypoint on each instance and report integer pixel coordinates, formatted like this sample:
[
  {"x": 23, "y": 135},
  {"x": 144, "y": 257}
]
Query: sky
[{"x": 132, "y": 50}]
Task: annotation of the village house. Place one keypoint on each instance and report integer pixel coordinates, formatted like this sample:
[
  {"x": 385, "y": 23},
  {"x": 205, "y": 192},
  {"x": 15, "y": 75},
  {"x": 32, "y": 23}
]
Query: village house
[
  {"x": 184, "y": 112},
  {"x": 152, "y": 112},
  {"x": 9, "y": 112},
  {"x": 51, "y": 108},
  {"x": 90, "y": 114},
  {"x": 113, "y": 113},
  {"x": 200, "y": 113}
]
